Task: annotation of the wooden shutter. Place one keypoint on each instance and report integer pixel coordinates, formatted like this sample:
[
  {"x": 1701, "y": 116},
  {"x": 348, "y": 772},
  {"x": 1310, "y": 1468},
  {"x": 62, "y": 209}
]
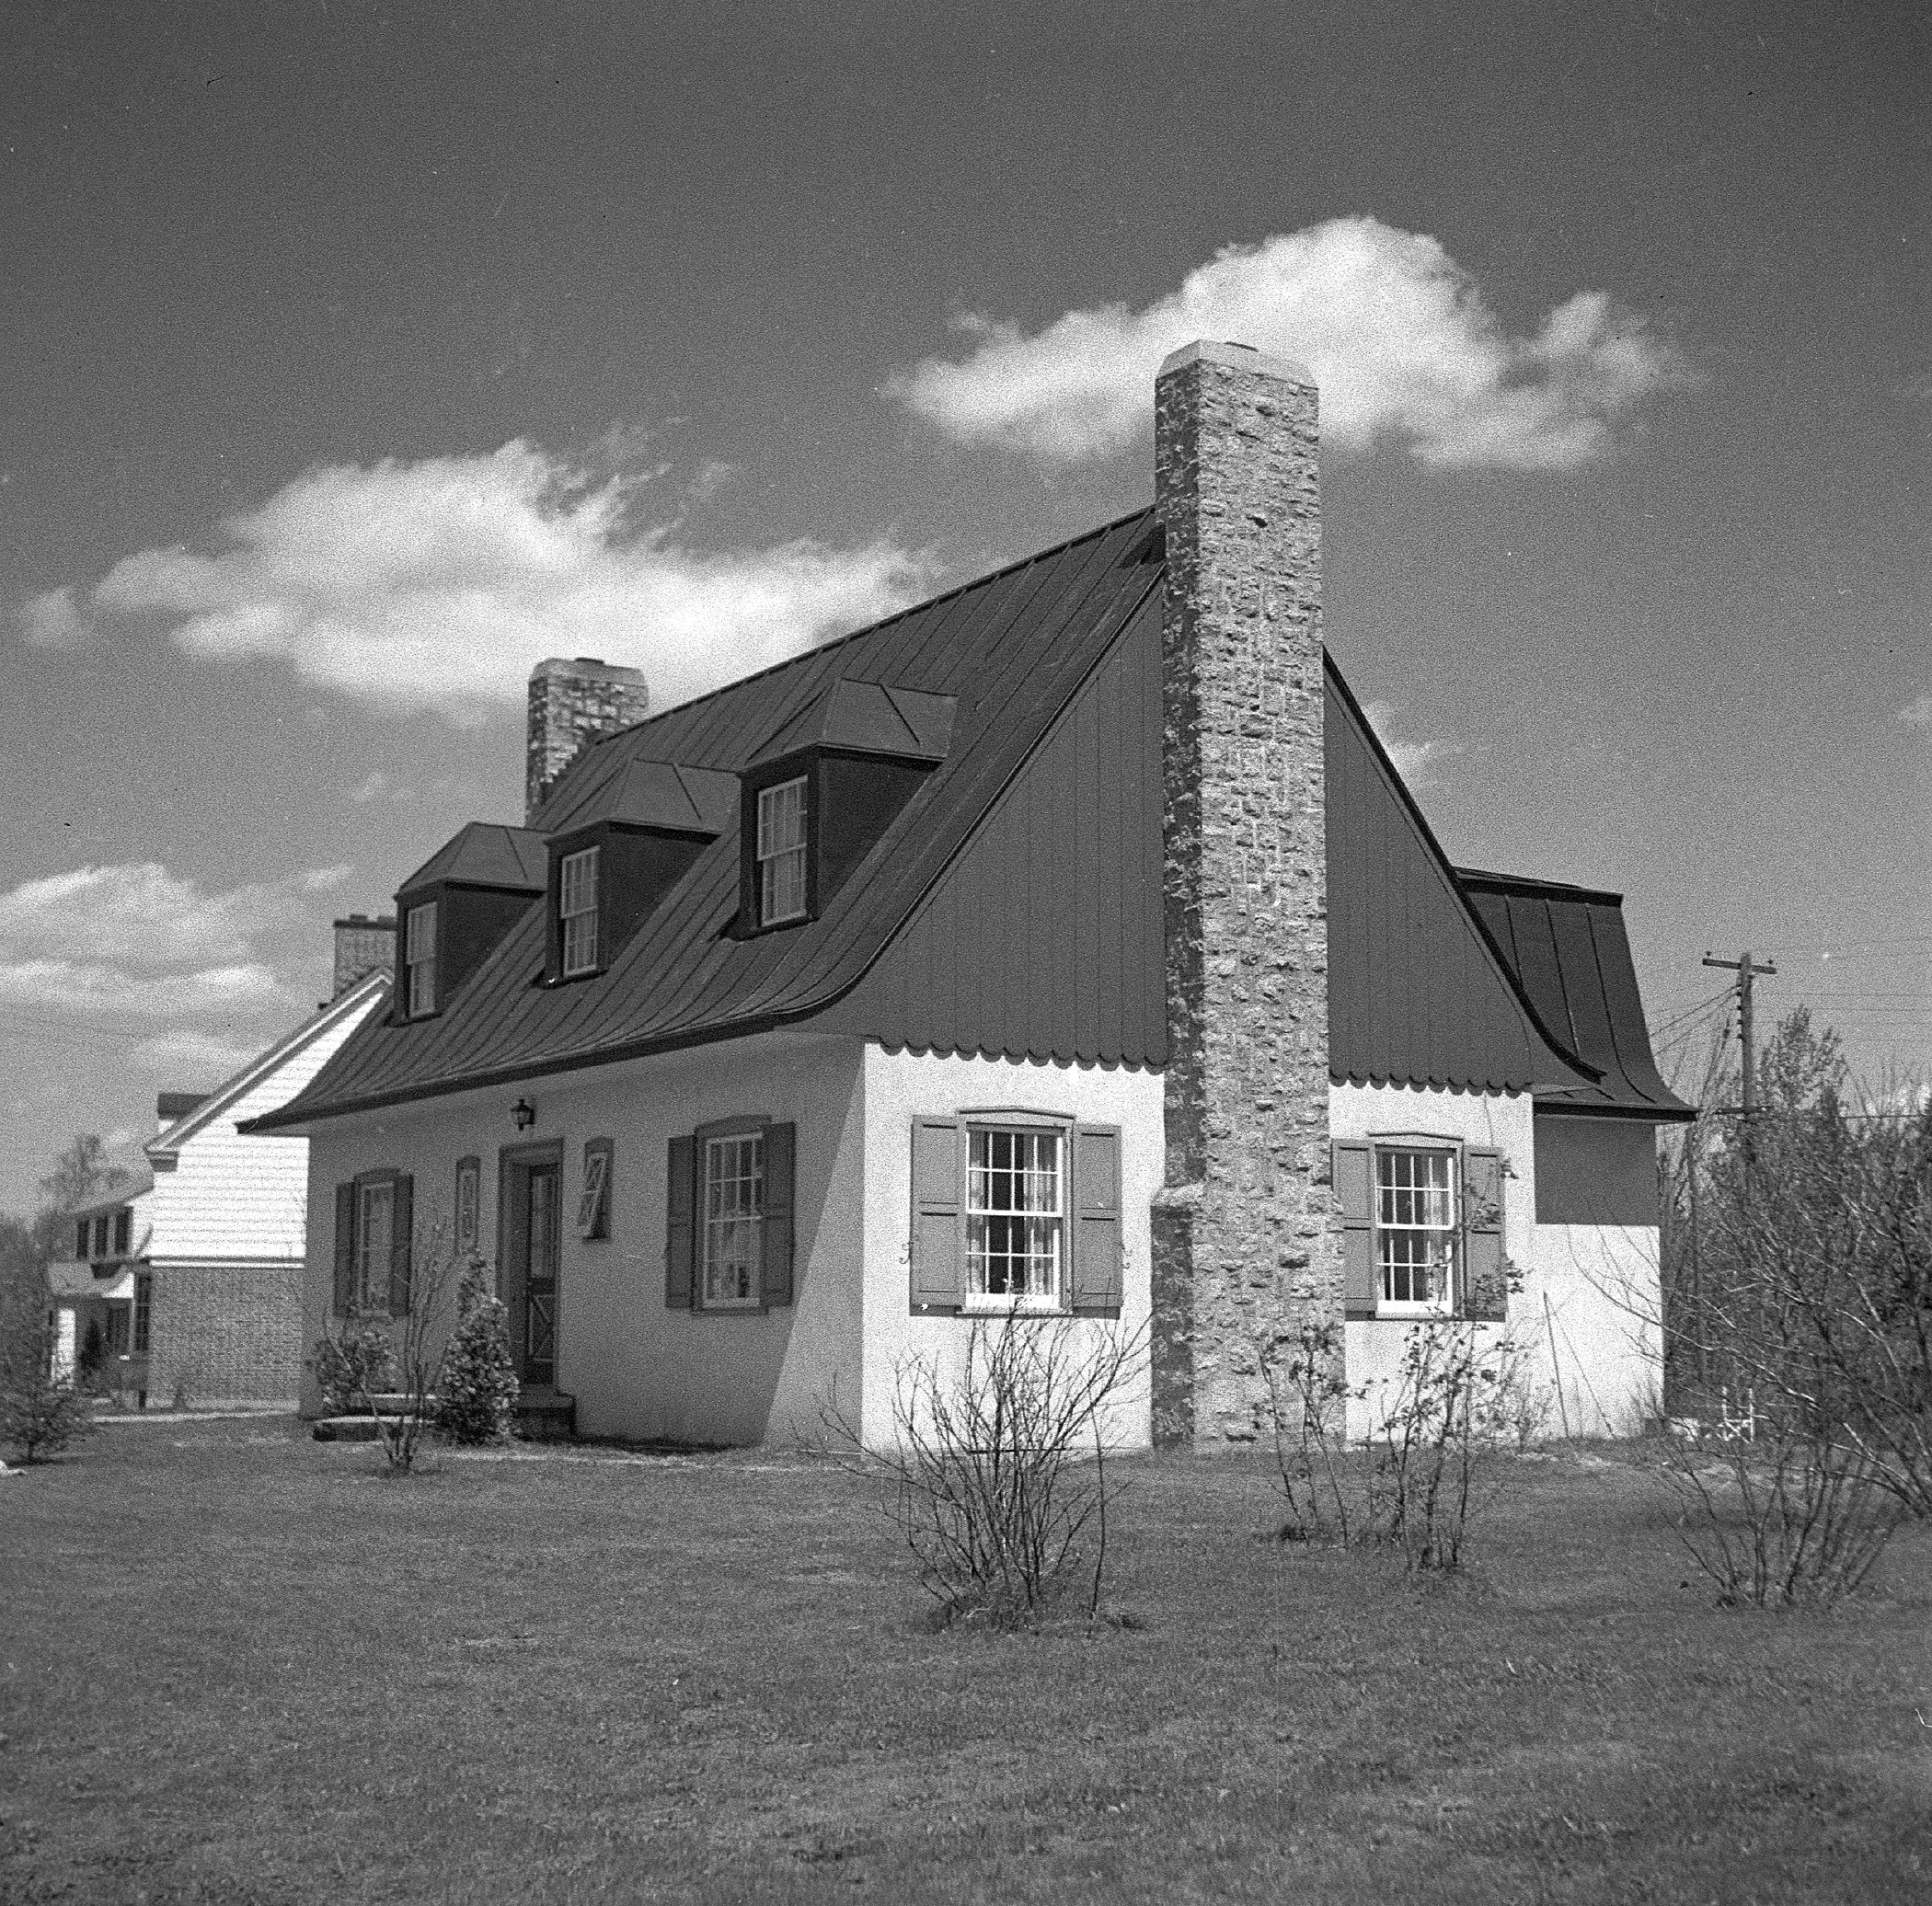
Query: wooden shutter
[
  {"x": 593, "y": 1202},
  {"x": 1486, "y": 1291},
  {"x": 679, "y": 1233},
  {"x": 345, "y": 1250},
  {"x": 938, "y": 1249},
  {"x": 402, "y": 1231},
  {"x": 1355, "y": 1192},
  {"x": 1096, "y": 1220},
  {"x": 775, "y": 1270}
]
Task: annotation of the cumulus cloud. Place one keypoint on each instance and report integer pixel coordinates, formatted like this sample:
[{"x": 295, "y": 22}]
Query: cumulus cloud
[
  {"x": 53, "y": 620},
  {"x": 143, "y": 943},
  {"x": 1918, "y": 714},
  {"x": 1397, "y": 334},
  {"x": 1415, "y": 762},
  {"x": 437, "y": 585}
]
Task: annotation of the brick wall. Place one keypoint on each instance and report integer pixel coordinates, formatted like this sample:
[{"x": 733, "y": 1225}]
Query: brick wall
[
  {"x": 1246, "y": 1234},
  {"x": 225, "y": 1333}
]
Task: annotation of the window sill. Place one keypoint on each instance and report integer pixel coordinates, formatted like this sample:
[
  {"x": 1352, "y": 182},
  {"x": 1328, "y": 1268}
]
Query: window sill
[{"x": 1013, "y": 1307}]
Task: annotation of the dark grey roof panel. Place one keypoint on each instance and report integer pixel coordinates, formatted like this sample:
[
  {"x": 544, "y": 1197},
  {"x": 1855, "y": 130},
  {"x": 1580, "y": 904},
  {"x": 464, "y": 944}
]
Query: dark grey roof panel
[
  {"x": 484, "y": 854},
  {"x": 1572, "y": 956}
]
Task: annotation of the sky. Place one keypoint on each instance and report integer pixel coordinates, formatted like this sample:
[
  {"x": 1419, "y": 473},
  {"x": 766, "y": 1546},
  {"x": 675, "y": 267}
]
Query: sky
[{"x": 357, "y": 357}]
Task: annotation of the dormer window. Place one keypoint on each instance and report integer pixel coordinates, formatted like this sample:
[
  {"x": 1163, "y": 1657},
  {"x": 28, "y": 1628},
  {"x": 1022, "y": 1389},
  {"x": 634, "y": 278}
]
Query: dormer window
[
  {"x": 577, "y": 912},
  {"x": 781, "y": 853},
  {"x": 419, "y": 960}
]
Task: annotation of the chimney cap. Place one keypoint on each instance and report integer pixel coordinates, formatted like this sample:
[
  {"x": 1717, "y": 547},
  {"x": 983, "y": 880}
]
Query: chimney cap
[
  {"x": 585, "y": 666},
  {"x": 1236, "y": 357}
]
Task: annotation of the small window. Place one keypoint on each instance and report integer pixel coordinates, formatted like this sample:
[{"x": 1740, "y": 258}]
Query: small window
[
  {"x": 144, "y": 1311},
  {"x": 593, "y": 1204},
  {"x": 577, "y": 912},
  {"x": 83, "y": 1231},
  {"x": 781, "y": 853},
  {"x": 733, "y": 1220},
  {"x": 1416, "y": 1230},
  {"x": 1015, "y": 1218},
  {"x": 100, "y": 1236},
  {"x": 420, "y": 959},
  {"x": 124, "y": 1232},
  {"x": 375, "y": 1239},
  {"x": 468, "y": 1175}
]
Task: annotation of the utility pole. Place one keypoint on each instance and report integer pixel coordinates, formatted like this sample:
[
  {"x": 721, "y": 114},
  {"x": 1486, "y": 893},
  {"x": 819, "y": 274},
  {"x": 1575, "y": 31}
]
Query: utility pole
[{"x": 1747, "y": 971}]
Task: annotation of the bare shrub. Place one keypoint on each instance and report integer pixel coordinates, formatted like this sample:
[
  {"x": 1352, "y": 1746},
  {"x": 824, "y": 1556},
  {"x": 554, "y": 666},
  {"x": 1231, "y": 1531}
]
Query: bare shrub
[
  {"x": 1435, "y": 1446},
  {"x": 404, "y": 1415},
  {"x": 986, "y": 1476},
  {"x": 1774, "y": 1512},
  {"x": 1799, "y": 1270},
  {"x": 1307, "y": 1404}
]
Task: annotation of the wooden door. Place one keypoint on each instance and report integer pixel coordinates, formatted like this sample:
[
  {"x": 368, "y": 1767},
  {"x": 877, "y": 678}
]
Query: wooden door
[{"x": 532, "y": 1238}]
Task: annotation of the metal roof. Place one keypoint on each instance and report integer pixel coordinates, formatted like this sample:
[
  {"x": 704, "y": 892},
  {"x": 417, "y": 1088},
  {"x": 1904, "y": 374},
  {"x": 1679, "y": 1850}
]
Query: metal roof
[
  {"x": 1012, "y": 649},
  {"x": 1569, "y": 952},
  {"x": 1014, "y": 903},
  {"x": 486, "y": 854}
]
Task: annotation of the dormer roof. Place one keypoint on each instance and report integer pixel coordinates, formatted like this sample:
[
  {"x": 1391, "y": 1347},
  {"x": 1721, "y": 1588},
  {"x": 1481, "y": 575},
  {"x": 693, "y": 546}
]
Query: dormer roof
[
  {"x": 486, "y": 854},
  {"x": 869, "y": 718},
  {"x": 672, "y": 797}
]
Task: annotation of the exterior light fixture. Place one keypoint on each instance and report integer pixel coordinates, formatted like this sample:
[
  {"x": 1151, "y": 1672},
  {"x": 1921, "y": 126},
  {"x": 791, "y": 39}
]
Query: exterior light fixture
[{"x": 525, "y": 1115}]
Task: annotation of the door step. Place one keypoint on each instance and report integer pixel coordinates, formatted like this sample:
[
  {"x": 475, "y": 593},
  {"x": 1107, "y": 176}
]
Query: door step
[{"x": 545, "y": 1416}]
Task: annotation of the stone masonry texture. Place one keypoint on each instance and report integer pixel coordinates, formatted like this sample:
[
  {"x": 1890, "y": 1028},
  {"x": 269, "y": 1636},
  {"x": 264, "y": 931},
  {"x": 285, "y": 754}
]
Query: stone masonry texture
[
  {"x": 1247, "y": 1237},
  {"x": 571, "y": 703},
  {"x": 225, "y": 1333}
]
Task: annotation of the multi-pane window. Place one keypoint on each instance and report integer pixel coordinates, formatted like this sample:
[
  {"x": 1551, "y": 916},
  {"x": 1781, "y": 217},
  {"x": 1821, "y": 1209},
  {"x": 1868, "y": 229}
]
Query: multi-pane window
[
  {"x": 781, "y": 852},
  {"x": 375, "y": 1240},
  {"x": 577, "y": 912},
  {"x": 1416, "y": 1227},
  {"x": 419, "y": 957},
  {"x": 1014, "y": 1214},
  {"x": 733, "y": 1217}
]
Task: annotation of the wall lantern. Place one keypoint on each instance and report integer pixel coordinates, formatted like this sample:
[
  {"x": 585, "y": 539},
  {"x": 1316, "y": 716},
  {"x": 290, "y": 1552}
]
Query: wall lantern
[{"x": 525, "y": 1115}]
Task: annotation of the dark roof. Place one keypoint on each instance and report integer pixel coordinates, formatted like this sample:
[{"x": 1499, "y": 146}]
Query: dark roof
[
  {"x": 1417, "y": 992},
  {"x": 650, "y": 794},
  {"x": 1014, "y": 905},
  {"x": 1569, "y": 952},
  {"x": 869, "y": 718},
  {"x": 1012, "y": 649},
  {"x": 486, "y": 854}
]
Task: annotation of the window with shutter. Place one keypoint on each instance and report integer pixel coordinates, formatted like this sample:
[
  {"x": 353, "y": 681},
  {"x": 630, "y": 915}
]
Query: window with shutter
[
  {"x": 731, "y": 1216},
  {"x": 1485, "y": 1296},
  {"x": 1422, "y": 1228},
  {"x": 937, "y": 1278},
  {"x": 1098, "y": 1266}
]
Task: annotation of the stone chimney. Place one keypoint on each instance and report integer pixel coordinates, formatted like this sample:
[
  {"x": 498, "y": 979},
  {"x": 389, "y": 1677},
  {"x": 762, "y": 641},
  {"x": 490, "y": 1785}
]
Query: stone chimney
[
  {"x": 1247, "y": 1238},
  {"x": 570, "y": 702},
  {"x": 361, "y": 945}
]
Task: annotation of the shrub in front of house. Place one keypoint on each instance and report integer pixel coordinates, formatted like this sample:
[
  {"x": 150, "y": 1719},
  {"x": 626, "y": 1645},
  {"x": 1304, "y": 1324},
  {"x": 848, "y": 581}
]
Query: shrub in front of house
[
  {"x": 476, "y": 1392},
  {"x": 41, "y": 1413},
  {"x": 352, "y": 1363}
]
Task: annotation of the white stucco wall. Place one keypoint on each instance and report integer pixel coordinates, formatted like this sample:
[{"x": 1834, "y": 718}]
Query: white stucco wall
[
  {"x": 636, "y": 1368},
  {"x": 1581, "y": 1328},
  {"x": 899, "y": 1087}
]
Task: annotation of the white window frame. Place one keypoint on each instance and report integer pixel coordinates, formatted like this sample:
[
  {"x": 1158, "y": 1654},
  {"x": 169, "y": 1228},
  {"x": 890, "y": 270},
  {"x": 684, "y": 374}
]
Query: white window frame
[
  {"x": 420, "y": 957},
  {"x": 372, "y": 1274},
  {"x": 1393, "y": 1222},
  {"x": 721, "y": 1167},
  {"x": 781, "y": 852},
  {"x": 1042, "y": 1295},
  {"x": 577, "y": 913}
]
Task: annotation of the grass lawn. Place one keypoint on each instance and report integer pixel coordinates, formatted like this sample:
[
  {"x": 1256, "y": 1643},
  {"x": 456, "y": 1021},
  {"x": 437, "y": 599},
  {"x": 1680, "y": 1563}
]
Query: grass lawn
[{"x": 238, "y": 1665}]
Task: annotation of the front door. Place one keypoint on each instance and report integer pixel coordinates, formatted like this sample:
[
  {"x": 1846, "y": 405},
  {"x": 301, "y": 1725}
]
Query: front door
[
  {"x": 542, "y": 1191},
  {"x": 528, "y": 1240}
]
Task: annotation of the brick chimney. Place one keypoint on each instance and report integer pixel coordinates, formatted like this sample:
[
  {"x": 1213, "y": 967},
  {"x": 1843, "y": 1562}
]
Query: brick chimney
[
  {"x": 570, "y": 702},
  {"x": 361, "y": 945},
  {"x": 1247, "y": 1238}
]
